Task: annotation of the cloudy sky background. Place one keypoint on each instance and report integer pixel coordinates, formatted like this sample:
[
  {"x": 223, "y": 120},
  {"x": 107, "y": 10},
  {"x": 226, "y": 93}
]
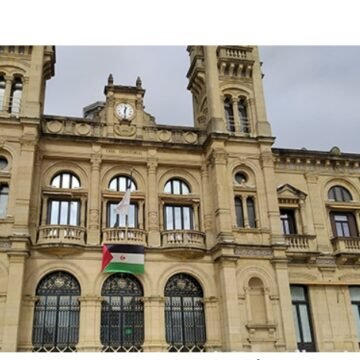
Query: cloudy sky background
[{"x": 312, "y": 93}]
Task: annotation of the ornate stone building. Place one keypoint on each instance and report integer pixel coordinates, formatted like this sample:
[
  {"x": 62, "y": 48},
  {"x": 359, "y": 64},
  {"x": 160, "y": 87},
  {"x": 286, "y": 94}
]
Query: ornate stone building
[{"x": 247, "y": 247}]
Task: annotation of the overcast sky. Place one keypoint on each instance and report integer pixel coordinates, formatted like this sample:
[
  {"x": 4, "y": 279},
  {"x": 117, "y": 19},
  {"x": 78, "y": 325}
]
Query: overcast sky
[{"x": 312, "y": 93}]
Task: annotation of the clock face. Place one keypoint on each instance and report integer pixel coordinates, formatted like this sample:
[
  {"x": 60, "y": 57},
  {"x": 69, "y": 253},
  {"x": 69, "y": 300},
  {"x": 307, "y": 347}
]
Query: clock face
[{"x": 124, "y": 111}]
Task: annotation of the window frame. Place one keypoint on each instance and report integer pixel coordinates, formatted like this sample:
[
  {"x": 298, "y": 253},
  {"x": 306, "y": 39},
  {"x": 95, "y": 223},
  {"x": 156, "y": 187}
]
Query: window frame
[
  {"x": 68, "y": 216},
  {"x": 182, "y": 184},
  {"x": 173, "y": 208},
  {"x": 303, "y": 345},
  {"x": 61, "y": 176},
  {"x": 339, "y": 193},
  {"x": 129, "y": 182},
  {"x": 4, "y": 198},
  {"x": 351, "y": 224},
  {"x": 111, "y": 203},
  {"x": 290, "y": 221}
]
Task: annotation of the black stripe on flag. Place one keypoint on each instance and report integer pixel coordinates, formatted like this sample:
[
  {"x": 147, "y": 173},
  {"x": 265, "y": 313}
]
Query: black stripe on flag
[{"x": 130, "y": 249}]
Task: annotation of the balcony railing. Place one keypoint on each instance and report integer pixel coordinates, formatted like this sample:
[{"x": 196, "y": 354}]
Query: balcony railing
[
  {"x": 301, "y": 243},
  {"x": 183, "y": 238},
  {"x": 68, "y": 235},
  {"x": 121, "y": 235},
  {"x": 348, "y": 245}
]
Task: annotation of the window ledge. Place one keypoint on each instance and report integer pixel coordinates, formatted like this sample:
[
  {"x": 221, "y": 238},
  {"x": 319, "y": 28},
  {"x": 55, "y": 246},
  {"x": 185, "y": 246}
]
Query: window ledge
[{"x": 7, "y": 220}]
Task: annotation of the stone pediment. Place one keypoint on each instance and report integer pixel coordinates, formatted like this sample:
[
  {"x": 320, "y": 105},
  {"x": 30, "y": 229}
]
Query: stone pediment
[{"x": 290, "y": 192}]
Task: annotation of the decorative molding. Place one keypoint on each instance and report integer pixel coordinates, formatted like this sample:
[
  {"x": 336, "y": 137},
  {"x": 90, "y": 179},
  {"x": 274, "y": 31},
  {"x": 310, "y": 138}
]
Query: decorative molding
[{"x": 253, "y": 252}]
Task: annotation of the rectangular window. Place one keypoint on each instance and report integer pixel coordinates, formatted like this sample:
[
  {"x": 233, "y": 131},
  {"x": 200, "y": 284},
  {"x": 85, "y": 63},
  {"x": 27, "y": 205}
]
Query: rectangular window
[
  {"x": 355, "y": 304},
  {"x": 64, "y": 212},
  {"x": 116, "y": 220},
  {"x": 287, "y": 217},
  {"x": 239, "y": 212},
  {"x": 4, "y": 195},
  {"x": 250, "y": 203},
  {"x": 301, "y": 313},
  {"x": 178, "y": 217},
  {"x": 343, "y": 224}
]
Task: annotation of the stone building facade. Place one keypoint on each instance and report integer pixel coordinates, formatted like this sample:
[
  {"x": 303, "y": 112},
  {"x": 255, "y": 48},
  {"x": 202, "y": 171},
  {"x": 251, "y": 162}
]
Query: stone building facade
[{"x": 247, "y": 247}]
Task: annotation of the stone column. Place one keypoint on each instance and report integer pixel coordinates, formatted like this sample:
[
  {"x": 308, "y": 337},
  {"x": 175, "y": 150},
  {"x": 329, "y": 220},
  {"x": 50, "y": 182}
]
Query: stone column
[
  {"x": 272, "y": 202},
  {"x": 212, "y": 320},
  {"x": 154, "y": 322},
  {"x": 245, "y": 210},
  {"x": 317, "y": 207},
  {"x": 196, "y": 216},
  {"x": 7, "y": 94},
  {"x": 26, "y": 322},
  {"x": 220, "y": 190},
  {"x": 90, "y": 319},
  {"x": 152, "y": 203},
  {"x": 282, "y": 277},
  {"x": 94, "y": 234},
  {"x": 216, "y": 121},
  {"x": 17, "y": 259},
  {"x": 229, "y": 304}
]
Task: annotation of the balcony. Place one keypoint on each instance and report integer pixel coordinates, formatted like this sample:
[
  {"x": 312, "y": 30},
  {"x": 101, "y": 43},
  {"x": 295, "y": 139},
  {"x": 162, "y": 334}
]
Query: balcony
[
  {"x": 61, "y": 238},
  {"x": 347, "y": 249},
  {"x": 120, "y": 235},
  {"x": 176, "y": 241},
  {"x": 301, "y": 246}
]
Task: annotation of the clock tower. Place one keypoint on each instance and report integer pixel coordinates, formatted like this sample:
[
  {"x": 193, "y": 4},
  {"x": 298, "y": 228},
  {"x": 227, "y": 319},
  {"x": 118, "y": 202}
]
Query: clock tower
[{"x": 124, "y": 110}]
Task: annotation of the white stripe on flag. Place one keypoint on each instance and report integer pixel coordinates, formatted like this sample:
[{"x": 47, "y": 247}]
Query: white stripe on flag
[{"x": 127, "y": 258}]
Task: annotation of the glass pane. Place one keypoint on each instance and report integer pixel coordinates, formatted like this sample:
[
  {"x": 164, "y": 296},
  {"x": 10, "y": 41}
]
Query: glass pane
[
  {"x": 56, "y": 181},
  {"x": 178, "y": 220},
  {"x": 239, "y": 212},
  {"x": 3, "y": 161},
  {"x": 122, "y": 183},
  {"x": 185, "y": 189},
  {"x": 296, "y": 320},
  {"x": 176, "y": 186},
  {"x": 112, "y": 185},
  {"x": 251, "y": 212},
  {"x": 356, "y": 310},
  {"x": 3, "y": 200},
  {"x": 169, "y": 218},
  {"x": 297, "y": 293},
  {"x": 355, "y": 293},
  {"x": 75, "y": 182},
  {"x": 187, "y": 218},
  {"x": 305, "y": 322},
  {"x": 65, "y": 181},
  {"x": 54, "y": 211},
  {"x": 74, "y": 211},
  {"x": 167, "y": 188},
  {"x": 132, "y": 216},
  {"x": 64, "y": 210}
]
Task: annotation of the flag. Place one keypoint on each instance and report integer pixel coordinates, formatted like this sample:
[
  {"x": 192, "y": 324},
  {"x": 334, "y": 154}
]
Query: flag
[
  {"x": 123, "y": 207},
  {"x": 123, "y": 258}
]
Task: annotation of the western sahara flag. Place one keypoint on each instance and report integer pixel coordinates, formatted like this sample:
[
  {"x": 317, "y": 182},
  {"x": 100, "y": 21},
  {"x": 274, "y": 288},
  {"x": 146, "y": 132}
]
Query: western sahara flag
[{"x": 123, "y": 258}]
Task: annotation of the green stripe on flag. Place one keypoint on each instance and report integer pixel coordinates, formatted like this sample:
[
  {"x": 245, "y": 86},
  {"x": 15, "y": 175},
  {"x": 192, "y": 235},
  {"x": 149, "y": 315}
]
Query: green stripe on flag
[{"x": 123, "y": 267}]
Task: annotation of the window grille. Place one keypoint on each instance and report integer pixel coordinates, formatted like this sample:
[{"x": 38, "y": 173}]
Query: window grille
[
  {"x": 56, "y": 316},
  {"x": 122, "y": 314},
  {"x": 184, "y": 314}
]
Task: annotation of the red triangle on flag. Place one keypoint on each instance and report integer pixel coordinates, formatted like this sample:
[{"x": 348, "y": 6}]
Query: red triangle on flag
[{"x": 107, "y": 257}]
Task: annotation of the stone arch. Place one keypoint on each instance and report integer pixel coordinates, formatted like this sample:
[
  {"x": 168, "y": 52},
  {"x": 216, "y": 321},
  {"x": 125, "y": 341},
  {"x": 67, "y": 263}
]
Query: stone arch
[
  {"x": 125, "y": 171},
  {"x": 65, "y": 166},
  {"x": 346, "y": 183},
  {"x": 32, "y": 279},
  {"x": 204, "y": 279},
  {"x": 181, "y": 174}
]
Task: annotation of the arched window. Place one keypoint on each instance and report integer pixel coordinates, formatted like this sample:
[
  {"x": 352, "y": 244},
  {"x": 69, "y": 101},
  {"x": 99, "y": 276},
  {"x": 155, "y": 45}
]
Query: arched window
[
  {"x": 15, "y": 96},
  {"x": 63, "y": 211},
  {"x": 4, "y": 195},
  {"x": 65, "y": 181},
  {"x": 184, "y": 314},
  {"x": 178, "y": 216},
  {"x": 339, "y": 193},
  {"x": 122, "y": 183},
  {"x": 243, "y": 116},
  {"x": 250, "y": 203},
  {"x": 229, "y": 114},
  {"x": 122, "y": 314},
  {"x": 56, "y": 316},
  {"x": 2, "y": 92},
  {"x": 176, "y": 187}
]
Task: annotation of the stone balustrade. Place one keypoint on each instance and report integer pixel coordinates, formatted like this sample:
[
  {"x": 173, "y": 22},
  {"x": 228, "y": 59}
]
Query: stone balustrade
[
  {"x": 348, "y": 245},
  {"x": 301, "y": 243},
  {"x": 66, "y": 235},
  {"x": 183, "y": 238},
  {"x": 120, "y": 235}
]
